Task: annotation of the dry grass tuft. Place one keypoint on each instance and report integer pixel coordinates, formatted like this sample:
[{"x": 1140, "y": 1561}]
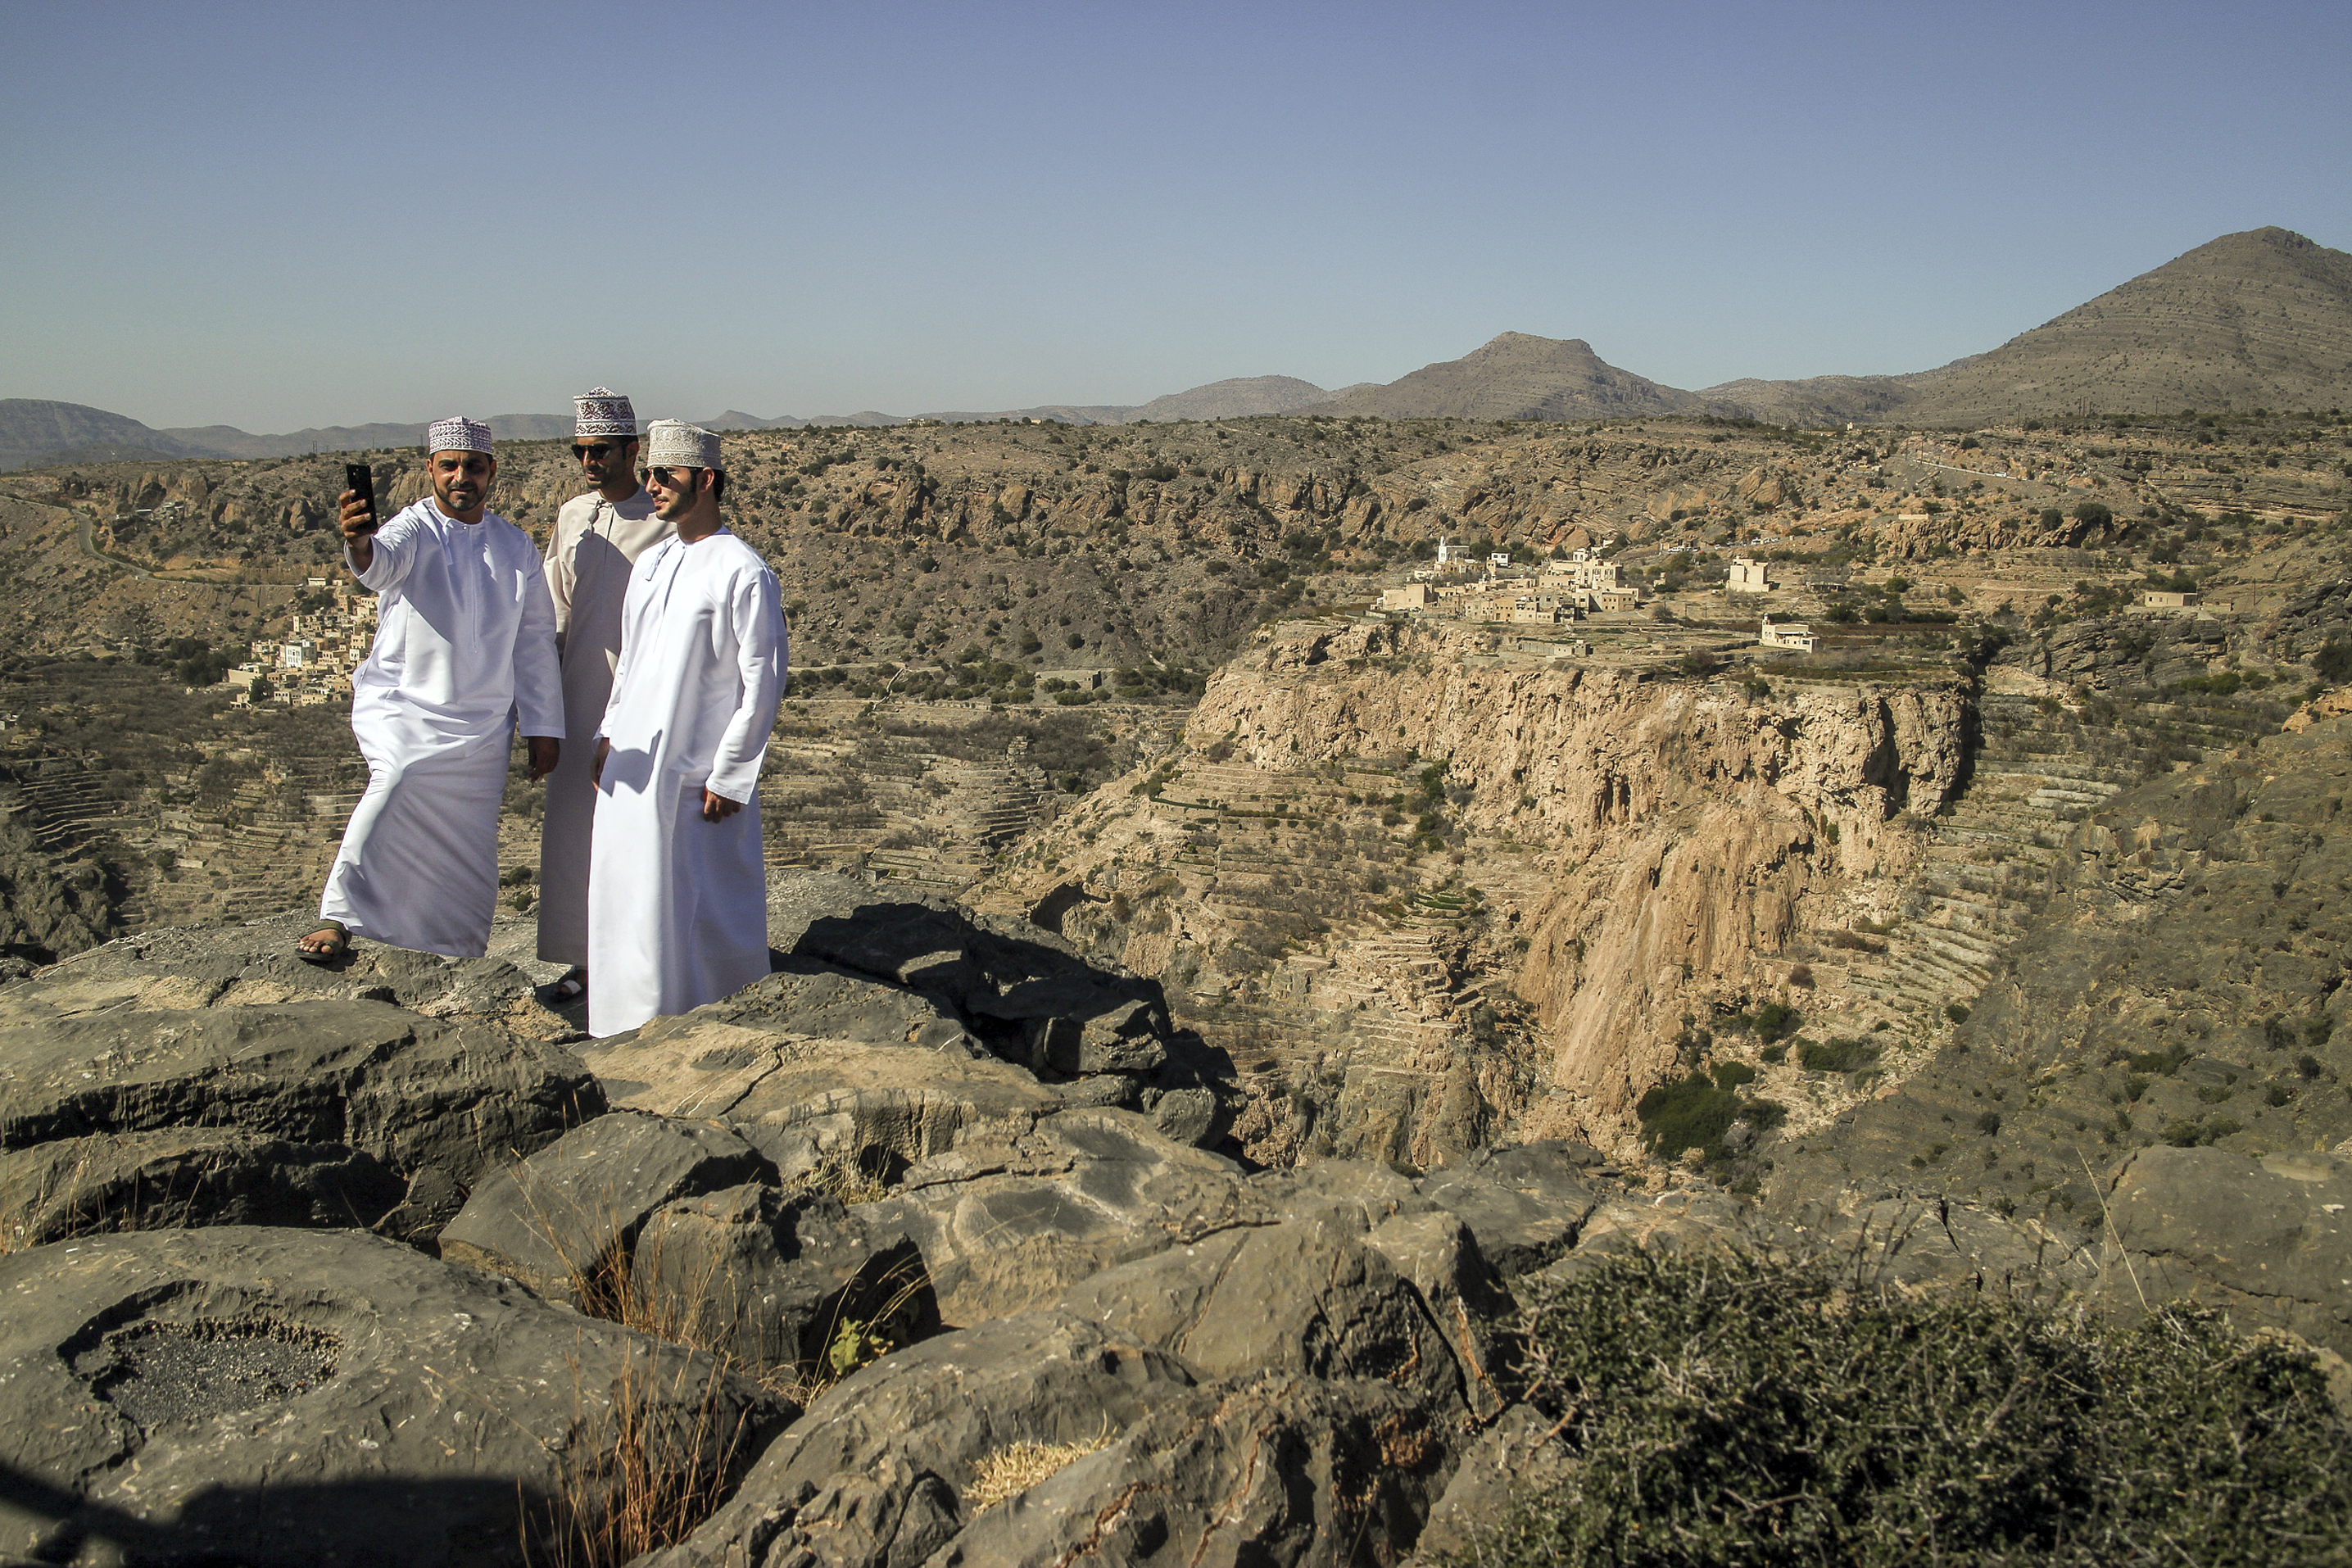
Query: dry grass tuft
[
  {"x": 845, "y": 1176},
  {"x": 1015, "y": 1468},
  {"x": 650, "y": 1471}
]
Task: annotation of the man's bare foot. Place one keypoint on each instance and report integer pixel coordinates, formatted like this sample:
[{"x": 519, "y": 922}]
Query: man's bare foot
[
  {"x": 330, "y": 941},
  {"x": 571, "y": 988}
]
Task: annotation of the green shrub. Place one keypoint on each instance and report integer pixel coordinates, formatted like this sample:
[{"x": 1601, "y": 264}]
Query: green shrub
[
  {"x": 1843, "y": 1054},
  {"x": 1776, "y": 1021},
  {"x": 1726, "y": 1409},
  {"x": 1692, "y": 1114},
  {"x": 1731, "y": 1075}
]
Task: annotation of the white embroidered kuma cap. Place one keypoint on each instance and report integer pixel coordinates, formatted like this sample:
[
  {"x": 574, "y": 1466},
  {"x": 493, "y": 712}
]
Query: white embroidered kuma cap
[
  {"x": 603, "y": 412},
  {"x": 458, "y": 434},
  {"x": 675, "y": 442}
]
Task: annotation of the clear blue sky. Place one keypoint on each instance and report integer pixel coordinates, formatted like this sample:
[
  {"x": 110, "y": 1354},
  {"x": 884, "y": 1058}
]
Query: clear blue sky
[{"x": 281, "y": 215}]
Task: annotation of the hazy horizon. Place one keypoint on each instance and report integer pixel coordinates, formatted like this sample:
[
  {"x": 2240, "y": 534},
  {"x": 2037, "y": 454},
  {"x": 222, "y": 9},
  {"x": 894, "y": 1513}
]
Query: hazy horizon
[{"x": 278, "y": 217}]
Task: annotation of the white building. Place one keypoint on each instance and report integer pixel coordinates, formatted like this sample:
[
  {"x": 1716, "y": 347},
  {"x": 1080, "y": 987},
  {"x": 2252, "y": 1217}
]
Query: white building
[
  {"x": 1788, "y": 634},
  {"x": 1747, "y": 576}
]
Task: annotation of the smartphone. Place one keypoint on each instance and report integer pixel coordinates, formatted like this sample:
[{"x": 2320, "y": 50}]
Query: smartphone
[{"x": 360, "y": 479}]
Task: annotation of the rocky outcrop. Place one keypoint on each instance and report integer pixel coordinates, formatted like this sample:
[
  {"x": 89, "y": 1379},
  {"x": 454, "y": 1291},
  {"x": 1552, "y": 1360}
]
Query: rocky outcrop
[
  {"x": 2263, "y": 1239},
  {"x": 1010, "y": 1215},
  {"x": 351, "y": 1113},
  {"x": 874, "y": 1473},
  {"x": 1655, "y": 842},
  {"x": 1305, "y": 1296},
  {"x": 46, "y": 908},
  {"x": 2182, "y": 987},
  {"x": 561, "y": 1220},
  {"x": 1566, "y": 750},
  {"x": 254, "y": 964},
  {"x": 1029, "y": 996},
  {"x": 288, "y": 1397},
  {"x": 1041, "y": 1324}
]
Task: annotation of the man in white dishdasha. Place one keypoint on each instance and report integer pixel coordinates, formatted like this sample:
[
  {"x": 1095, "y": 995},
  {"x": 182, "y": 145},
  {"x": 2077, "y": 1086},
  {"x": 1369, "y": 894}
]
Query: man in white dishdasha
[
  {"x": 678, "y": 909},
  {"x": 465, "y": 645},
  {"x": 598, "y": 538}
]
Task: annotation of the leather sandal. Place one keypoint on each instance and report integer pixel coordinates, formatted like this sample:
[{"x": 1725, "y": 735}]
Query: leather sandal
[{"x": 338, "y": 943}]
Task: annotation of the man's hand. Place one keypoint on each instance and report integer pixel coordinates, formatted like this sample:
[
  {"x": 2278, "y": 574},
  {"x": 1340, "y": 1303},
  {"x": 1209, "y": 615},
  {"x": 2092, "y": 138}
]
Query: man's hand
[
  {"x": 596, "y": 768},
  {"x": 718, "y": 807},
  {"x": 544, "y": 749},
  {"x": 359, "y": 525}
]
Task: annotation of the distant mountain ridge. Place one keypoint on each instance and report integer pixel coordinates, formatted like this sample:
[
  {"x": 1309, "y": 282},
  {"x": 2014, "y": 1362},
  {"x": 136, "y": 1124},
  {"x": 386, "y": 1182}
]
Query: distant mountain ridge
[
  {"x": 2257, "y": 320},
  {"x": 1519, "y": 376},
  {"x": 37, "y": 432},
  {"x": 2261, "y": 318}
]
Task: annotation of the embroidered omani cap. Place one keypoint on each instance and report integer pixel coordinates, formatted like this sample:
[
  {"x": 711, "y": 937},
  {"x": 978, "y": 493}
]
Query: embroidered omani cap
[
  {"x": 458, "y": 434},
  {"x": 674, "y": 441},
  {"x": 603, "y": 412}
]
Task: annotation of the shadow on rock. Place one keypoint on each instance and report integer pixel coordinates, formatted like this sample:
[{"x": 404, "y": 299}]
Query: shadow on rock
[{"x": 1023, "y": 993}]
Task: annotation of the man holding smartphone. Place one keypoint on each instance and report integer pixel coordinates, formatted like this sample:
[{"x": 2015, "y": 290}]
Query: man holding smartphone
[
  {"x": 597, "y": 540},
  {"x": 465, "y": 644}
]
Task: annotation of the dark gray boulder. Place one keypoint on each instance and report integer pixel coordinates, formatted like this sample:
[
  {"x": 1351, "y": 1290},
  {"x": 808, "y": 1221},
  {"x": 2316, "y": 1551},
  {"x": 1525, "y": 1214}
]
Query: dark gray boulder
[
  {"x": 272, "y": 1397},
  {"x": 1123, "y": 1035},
  {"x": 785, "y": 1284},
  {"x": 1306, "y": 1296},
  {"x": 1276, "y": 1470},
  {"x": 874, "y": 1472},
  {"x": 2264, "y": 1239},
  {"x": 1026, "y": 992},
  {"x": 562, "y": 1221},
  {"x": 1439, "y": 1257},
  {"x": 1355, "y": 1193},
  {"x": 810, "y": 1101},
  {"x": 188, "y": 1175},
  {"x": 316, "y": 1111},
  {"x": 1525, "y": 1203},
  {"x": 809, "y": 996},
  {"x": 1016, "y": 1212},
  {"x": 1519, "y": 1458}
]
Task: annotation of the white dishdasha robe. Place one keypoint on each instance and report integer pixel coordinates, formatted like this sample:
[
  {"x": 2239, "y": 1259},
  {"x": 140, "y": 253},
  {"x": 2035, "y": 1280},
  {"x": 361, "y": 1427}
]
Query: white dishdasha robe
[
  {"x": 678, "y": 910},
  {"x": 465, "y": 642},
  {"x": 589, "y": 558}
]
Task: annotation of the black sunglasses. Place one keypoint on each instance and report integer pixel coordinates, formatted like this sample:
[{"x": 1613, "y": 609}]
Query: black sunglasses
[
  {"x": 595, "y": 450},
  {"x": 669, "y": 476}
]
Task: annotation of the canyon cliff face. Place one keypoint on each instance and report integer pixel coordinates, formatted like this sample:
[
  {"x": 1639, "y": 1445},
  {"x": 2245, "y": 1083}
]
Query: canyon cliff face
[{"x": 1614, "y": 852}]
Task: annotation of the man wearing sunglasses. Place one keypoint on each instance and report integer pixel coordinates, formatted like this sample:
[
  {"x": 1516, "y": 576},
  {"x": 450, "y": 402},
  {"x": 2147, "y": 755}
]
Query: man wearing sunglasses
[
  {"x": 465, "y": 645},
  {"x": 597, "y": 540},
  {"x": 678, "y": 909}
]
